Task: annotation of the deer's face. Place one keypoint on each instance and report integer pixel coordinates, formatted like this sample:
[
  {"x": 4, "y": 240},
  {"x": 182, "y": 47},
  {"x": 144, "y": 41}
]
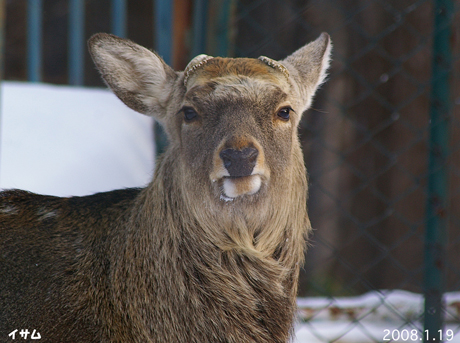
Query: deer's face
[
  {"x": 237, "y": 131},
  {"x": 232, "y": 122}
]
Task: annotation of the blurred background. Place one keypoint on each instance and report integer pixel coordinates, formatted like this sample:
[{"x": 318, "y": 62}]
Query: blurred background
[{"x": 381, "y": 141}]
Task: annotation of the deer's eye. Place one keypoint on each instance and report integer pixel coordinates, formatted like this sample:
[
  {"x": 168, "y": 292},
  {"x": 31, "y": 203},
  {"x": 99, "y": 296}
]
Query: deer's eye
[
  {"x": 189, "y": 114},
  {"x": 284, "y": 113}
]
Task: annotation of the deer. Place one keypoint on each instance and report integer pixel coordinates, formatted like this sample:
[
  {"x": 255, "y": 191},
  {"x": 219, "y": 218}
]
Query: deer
[{"x": 210, "y": 250}]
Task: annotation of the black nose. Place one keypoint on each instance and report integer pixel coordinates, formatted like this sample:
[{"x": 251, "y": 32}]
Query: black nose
[{"x": 239, "y": 162}]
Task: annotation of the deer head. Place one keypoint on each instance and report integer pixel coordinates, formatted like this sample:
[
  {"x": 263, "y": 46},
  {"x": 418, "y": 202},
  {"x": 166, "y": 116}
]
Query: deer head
[{"x": 232, "y": 123}]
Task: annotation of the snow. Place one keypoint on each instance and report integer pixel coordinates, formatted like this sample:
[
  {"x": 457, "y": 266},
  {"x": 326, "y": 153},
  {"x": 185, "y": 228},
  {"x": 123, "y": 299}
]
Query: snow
[
  {"x": 371, "y": 317},
  {"x": 64, "y": 140}
]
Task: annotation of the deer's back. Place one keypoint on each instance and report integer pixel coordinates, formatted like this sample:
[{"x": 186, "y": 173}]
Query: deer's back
[{"x": 55, "y": 261}]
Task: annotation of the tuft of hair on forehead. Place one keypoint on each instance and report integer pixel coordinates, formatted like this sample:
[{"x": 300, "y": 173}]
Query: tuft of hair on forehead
[{"x": 220, "y": 67}]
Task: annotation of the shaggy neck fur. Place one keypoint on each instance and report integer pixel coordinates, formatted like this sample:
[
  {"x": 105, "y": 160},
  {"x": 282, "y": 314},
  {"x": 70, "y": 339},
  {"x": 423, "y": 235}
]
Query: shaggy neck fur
[{"x": 238, "y": 265}]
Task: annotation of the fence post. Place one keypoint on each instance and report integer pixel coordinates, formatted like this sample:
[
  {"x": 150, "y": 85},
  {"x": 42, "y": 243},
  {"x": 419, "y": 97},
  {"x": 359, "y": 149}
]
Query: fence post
[
  {"x": 219, "y": 31},
  {"x": 34, "y": 40},
  {"x": 164, "y": 38},
  {"x": 2, "y": 36},
  {"x": 2, "y": 54},
  {"x": 200, "y": 24},
  {"x": 76, "y": 42},
  {"x": 118, "y": 17},
  {"x": 437, "y": 204}
]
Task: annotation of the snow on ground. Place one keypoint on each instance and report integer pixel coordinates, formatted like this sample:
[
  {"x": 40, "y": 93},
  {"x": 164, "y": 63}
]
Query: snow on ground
[
  {"x": 366, "y": 332},
  {"x": 378, "y": 316},
  {"x": 63, "y": 140}
]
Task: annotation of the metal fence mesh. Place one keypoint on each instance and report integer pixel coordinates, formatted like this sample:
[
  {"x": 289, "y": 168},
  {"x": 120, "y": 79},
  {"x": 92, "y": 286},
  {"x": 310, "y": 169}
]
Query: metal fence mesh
[{"x": 367, "y": 141}]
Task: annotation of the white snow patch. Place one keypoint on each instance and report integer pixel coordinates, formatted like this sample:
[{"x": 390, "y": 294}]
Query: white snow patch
[
  {"x": 64, "y": 140},
  {"x": 370, "y": 317}
]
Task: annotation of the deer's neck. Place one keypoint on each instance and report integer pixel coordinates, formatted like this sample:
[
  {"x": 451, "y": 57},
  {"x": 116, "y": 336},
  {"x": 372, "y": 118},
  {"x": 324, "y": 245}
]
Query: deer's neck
[{"x": 184, "y": 273}]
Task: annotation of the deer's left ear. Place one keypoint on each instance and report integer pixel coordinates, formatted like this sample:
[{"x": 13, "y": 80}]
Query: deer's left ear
[{"x": 308, "y": 66}]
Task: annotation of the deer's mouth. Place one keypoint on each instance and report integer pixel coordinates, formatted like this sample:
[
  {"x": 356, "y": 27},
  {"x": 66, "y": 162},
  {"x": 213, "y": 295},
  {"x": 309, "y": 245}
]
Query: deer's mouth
[
  {"x": 239, "y": 168},
  {"x": 235, "y": 186}
]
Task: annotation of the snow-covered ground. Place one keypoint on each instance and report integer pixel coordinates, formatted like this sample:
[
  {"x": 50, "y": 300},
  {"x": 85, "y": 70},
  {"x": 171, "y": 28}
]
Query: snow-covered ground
[
  {"x": 378, "y": 316},
  {"x": 63, "y": 140}
]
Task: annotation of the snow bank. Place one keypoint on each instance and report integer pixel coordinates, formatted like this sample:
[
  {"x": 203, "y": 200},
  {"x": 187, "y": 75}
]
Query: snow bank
[{"x": 63, "y": 140}]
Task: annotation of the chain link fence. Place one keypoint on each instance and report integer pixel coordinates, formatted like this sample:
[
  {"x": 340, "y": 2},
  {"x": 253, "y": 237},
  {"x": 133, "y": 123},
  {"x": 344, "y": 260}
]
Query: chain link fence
[
  {"x": 367, "y": 147},
  {"x": 384, "y": 182}
]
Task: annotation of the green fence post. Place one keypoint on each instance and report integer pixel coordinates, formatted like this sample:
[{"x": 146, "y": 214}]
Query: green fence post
[
  {"x": 164, "y": 12},
  {"x": 218, "y": 31},
  {"x": 76, "y": 43},
  {"x": 34, "y": 40},
  {"x": 118, "y": 14},
  {"x": 200, "y": 24},
  {"x": 2, "y": 45},
  {"x": 437, "y": 204}
]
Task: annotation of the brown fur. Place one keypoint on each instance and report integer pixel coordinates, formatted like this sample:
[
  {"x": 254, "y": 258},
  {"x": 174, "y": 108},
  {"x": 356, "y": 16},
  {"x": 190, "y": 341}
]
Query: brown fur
[
  {"x": 222, "y": 67},
  {"x": 178, "y": 261}
]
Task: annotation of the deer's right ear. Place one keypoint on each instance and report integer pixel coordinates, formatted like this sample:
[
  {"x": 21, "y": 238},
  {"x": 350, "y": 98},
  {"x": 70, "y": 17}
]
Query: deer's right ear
[{"x": 139, "y": 77}]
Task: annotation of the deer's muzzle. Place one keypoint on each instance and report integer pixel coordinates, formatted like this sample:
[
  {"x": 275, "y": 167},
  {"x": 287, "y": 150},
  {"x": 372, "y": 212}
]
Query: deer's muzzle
[{"x": 239, "y": 168}]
